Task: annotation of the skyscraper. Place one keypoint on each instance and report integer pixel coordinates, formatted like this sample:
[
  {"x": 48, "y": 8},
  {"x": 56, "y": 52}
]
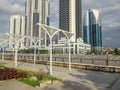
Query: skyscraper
[
  {"x": 17, "y": 28},
  {"x": 86, "y": 31},
  {"x": 70, "y": 17},
  {"x": 92, "y": 31},
  {"x": 36, "y": 11}
]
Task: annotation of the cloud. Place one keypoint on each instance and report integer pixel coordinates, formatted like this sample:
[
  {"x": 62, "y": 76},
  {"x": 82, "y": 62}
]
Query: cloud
[
  {"x": 108, "y": 38},
  {"x": 8, "y": 8},
  {"x": 111, "y": 38},
  {"x": 109, "y": 9},
  {"x": 54, "y": 13}
]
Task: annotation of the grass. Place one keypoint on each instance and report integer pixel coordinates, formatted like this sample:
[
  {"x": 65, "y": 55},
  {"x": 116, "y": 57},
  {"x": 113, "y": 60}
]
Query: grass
[
  {"x": 2, "y": 67},
  {"x": 40, "y": 76},
  {"x": 30, "y": 82},
  {"x": 46, "y": 78}
]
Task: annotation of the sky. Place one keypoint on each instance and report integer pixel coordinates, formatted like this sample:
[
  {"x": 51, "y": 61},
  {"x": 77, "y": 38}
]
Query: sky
[{"x": 109, "y": 11}]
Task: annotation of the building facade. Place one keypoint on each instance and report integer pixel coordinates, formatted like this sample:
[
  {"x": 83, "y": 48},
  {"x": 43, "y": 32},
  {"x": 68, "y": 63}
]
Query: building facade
[
  {"x": 17, "y": 30},
  {"x": 92, "y": 30},
  {"x": 70, "y": 17},
  {"x": 36, "y": 11},
  {"x": 82, "y": 48}
]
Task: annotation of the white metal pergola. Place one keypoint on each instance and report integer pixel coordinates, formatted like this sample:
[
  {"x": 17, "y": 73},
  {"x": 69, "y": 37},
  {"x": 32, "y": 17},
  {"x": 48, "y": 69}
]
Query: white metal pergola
[
  {"x": 20, "y": 40},
  {"x": 51, "y": 31},
  {"x": 3, "y": 44}
]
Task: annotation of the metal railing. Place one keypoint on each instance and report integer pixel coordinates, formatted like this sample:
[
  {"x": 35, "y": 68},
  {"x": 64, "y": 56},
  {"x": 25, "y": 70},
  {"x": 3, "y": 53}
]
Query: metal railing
[{"x": 84, "y": 59}]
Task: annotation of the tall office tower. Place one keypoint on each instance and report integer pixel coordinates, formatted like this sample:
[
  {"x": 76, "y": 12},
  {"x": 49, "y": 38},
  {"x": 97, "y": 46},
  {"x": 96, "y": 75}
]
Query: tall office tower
[
  {"x": 92, "y": 31},
  {"x": 86, "y": 31},
  {"x": 17, "y": 29},
  {"x": 70, "y": 17},
  {"x": 36, "y": 11}
]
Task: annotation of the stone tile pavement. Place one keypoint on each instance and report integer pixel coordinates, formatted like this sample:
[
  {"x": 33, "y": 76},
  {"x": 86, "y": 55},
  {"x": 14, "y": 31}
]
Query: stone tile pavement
[{"x": 74, "y": 79}]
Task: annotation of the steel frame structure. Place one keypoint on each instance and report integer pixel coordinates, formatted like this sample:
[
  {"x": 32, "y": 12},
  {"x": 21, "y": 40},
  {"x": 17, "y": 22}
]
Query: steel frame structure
[{"x": 52, "y": 31}]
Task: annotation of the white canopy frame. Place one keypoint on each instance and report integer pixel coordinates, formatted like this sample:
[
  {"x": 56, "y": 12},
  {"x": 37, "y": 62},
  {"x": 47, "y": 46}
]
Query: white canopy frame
[
  {"x": 4, "y": 43},
  {"x": 34, "y": 41},
  {"x": 16, "y": 43},
  {"x": 51, "y": 31}
]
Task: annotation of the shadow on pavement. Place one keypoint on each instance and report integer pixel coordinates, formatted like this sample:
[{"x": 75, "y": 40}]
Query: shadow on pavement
[{"x": 101, "y": 80}]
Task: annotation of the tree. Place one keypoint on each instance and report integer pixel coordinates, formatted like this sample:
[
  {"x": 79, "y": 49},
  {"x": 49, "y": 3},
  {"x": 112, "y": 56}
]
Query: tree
[{"x": 117, "y": 51}]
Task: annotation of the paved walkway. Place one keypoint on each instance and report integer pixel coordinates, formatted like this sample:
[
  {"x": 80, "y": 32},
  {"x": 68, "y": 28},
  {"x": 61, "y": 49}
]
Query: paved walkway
[{"x": 74, "y": 79}]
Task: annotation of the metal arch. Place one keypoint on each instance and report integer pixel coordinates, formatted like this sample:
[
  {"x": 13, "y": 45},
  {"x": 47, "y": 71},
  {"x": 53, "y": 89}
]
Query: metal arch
[
  {"x": 27, "y": 37},
  {"x": 16, "y": 50},
  {"x": 55, "y": 28},
  {"x": 1, "y": 45},
  {"x": 4, "y": 43},
  {"x": 45, "y": 30},
  {"x": 55, "y": 33},
  {"x": 62, "y": 32},
  {"x": 51, "y": 36},
  {"x": 65, "y": 34}
]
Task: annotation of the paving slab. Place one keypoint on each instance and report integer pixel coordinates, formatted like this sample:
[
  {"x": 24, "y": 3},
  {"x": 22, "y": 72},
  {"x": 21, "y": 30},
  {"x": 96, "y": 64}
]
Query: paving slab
[
  {"x": 74, "y": 79},
  {"x": 15, "y": 85}
]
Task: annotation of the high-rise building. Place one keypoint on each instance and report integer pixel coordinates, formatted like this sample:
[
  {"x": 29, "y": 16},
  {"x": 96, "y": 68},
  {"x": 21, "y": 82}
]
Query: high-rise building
[
  {"x": 17, "y": 29},
  {"x": 70, "y": 17},
  {"x": 86, "y": 31},
  {"x": 36, "y": 11},
  {"x": 92, "y": 31}
]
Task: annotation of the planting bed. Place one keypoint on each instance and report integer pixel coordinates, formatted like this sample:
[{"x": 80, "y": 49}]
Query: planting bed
[
  {"x": 10, "y": 73},
  {"x": 28, "y": 77}
]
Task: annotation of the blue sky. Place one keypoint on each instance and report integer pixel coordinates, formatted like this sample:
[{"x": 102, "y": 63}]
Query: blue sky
[{"x": 109, "y": 9}]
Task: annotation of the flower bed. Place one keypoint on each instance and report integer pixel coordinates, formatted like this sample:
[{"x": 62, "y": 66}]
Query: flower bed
[
  {"x": 9, "y": 73},
  {"x": 28, "y": 77}
]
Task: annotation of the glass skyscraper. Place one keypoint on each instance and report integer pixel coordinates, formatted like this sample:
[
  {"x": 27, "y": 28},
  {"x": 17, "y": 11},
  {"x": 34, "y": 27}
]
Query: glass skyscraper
[
  {"x": 86, "y": 35},
  {"x": 70, "y": 17},
  {"x": 92, "y": 31}
]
